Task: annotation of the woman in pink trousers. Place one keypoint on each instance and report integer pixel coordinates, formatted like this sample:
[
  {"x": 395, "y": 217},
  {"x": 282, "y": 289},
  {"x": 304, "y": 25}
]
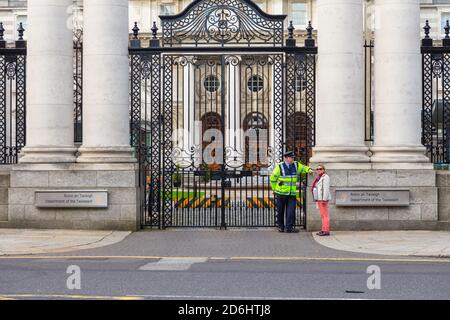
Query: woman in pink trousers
[{"x": 322, "y": 195}]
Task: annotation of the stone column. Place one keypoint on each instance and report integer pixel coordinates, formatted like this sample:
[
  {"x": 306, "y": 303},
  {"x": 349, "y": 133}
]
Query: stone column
[
  {"x": 233, "y": 127},
  {"x": 397, "y": 83},
  {"x": 340, "y": 80},
  {"x": 188, "y": 113},
  {"x": 50, "y": 133},
  {"x": 106, "y": 127}
]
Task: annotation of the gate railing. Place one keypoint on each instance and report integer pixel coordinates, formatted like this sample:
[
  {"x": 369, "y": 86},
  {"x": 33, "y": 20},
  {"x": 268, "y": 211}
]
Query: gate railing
[
  {"x": 12, "y": 97},
  {"x": 436, "y": 96},
  {"x": 368, "y": 87},
  {"x": 13, "y": 94},
  {"x": 153, "y": 90},
  {"x": 78, "y": 84}
]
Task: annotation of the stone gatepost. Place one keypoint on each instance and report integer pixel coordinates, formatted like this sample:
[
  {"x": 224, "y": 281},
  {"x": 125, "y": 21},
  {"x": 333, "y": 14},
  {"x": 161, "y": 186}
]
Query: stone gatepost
[
  {"x": 393, "y": 186},
  {"x": 51, "y": 187}
]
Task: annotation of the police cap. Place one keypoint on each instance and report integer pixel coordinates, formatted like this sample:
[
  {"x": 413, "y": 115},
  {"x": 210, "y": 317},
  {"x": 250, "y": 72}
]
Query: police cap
[{"x": 289, "y": 154}]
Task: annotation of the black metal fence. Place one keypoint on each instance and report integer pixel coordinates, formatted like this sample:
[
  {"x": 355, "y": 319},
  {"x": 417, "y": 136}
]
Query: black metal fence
[
  {"x": 368, "y": 87},
  {"x": 436, "y": 96},
  {"x": 12, "y": 97},
  {"x": 13, "y": 94},
  {"x": 78, "y": 84}
]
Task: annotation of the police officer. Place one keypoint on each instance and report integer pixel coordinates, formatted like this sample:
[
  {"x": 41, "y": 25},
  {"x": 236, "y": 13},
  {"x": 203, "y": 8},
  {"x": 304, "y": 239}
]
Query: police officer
[{"x": 283, "y": 182}]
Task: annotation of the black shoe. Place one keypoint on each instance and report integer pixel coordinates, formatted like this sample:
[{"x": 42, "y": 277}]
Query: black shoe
[
  {"x": 292, "y": 231},
  {"x": 280, "y": 229}
]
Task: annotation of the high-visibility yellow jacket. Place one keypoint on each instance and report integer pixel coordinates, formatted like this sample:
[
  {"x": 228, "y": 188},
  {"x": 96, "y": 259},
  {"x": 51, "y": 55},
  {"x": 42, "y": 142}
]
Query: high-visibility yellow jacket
[{"x": 283, "y": 180}]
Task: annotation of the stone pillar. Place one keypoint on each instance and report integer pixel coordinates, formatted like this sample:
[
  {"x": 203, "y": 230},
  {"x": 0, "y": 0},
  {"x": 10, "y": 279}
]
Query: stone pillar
[
  {"x": 233, "y": 124},
  {"x": 398, "y": 83},
  {"x": 106, "y": 128},
  {"x": 340, "y": 80},
  {"x": 50, "y": 123},
  {"x": 188, "y": 113}
]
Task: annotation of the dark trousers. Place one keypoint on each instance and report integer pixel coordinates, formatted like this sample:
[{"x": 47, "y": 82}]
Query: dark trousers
[{"x": 286, "y": 204}]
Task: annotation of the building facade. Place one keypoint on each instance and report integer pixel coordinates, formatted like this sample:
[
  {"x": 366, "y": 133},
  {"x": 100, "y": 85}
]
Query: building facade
[{"x": 13, "y": 12}]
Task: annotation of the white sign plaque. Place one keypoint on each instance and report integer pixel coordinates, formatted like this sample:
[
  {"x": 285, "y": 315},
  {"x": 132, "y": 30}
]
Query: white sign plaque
[
  {"x": 372, "y": 197},
  {"x": 71, "y": 199}
]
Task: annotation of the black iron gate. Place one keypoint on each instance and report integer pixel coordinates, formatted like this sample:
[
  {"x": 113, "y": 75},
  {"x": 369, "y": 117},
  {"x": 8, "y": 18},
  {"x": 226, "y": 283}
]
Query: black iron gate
[
  {"x": 12, "y": 97},
  {"x": 436, "y": 97},
  {"x": 214, "y": 103}
]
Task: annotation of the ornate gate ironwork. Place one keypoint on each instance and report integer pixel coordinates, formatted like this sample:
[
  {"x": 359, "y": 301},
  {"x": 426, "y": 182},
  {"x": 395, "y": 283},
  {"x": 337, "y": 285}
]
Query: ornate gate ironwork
[
  {"x": 436, "y": 97},
  {"x": 78, "y": 85},
  {"x": 12, "y": 97},
  {"x": 214, "y": 103}
]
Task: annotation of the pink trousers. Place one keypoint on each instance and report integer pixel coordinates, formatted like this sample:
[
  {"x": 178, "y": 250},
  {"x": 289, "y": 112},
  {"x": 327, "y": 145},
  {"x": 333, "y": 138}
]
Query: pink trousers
[{"x": 323, "y": 208}]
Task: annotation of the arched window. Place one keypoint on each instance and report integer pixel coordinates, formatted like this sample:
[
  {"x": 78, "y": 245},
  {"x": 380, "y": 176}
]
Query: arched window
[
  {"x": 211, "y": 120},
  {"x": 297, "y": 135}
]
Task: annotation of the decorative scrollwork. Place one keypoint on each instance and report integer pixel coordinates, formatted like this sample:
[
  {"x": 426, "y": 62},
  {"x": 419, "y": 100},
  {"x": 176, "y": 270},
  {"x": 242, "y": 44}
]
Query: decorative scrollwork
[
  {"x": 437, "y": 68},
  {"x": 11, "y": 71},
  {"x": 186, "y": 158},
  {"x": 232, "y": 60},
  {"x": 237, "y": 22},
  {"x": 233, "y": 158},
  {"x": 222, "y": 25}
]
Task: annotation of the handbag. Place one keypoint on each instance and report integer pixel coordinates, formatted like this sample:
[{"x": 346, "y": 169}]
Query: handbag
[{"x": 315, "y": 193}]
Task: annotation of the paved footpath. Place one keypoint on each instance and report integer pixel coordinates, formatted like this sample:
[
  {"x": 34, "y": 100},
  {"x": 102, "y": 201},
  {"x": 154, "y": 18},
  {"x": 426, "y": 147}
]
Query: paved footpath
[
  {"x": 232, "y": 243},
  {"x": 401, "y": 243},
  {"x": 27, "y": 241}
]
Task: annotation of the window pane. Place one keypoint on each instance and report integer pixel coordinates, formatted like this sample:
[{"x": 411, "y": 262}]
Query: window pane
[
  {"x": 167, "y": 9},
  {"x": 299, "y": 13}
]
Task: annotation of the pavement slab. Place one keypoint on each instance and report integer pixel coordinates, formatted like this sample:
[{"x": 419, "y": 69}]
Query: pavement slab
[
  {"x": 29, "y": 241},
  {"x": 242, "y": 243},
  {"x": 399, "y": 243}
]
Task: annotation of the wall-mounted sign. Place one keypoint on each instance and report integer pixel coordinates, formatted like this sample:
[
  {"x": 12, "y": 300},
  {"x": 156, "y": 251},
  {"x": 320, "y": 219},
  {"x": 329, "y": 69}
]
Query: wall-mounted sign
[
  {"x": 71, "y": 199},
  {"x": 372, "y": 197}
]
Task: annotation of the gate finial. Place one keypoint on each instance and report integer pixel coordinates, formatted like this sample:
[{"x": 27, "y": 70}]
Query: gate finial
[
  {"x": 135, "y": 31},
  {"x": 447, "y": 30},
  {"x": 154, "y": 30},
  {"x": 2, "y": 33},
  {"x": 446, "y": 40},
  {"x": 309, "y": 30},
  {"x": 309, "y": 41},
  {"x": 20, "y": 43},
  {"x": 427, "y": 41},
  {"x": 154, "y": 42},
  {"x": 135, "y": 42},
  {"x": 291, "y": 30},
  {"x": 21, "y": 30},
  {"x": 427, "y": 29},
  {"x": 290, "y": 41}
]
